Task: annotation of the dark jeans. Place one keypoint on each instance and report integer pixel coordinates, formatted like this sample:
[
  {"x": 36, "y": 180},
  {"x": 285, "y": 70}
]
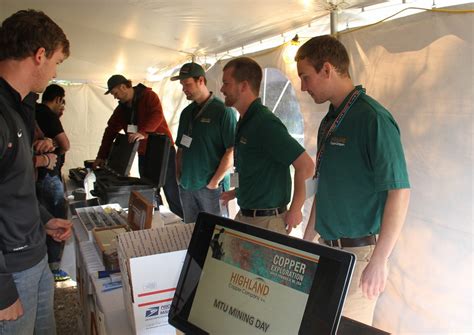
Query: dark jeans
[
  {"x": 50, "y": 192},
  {"x": 171, "y": 186}
]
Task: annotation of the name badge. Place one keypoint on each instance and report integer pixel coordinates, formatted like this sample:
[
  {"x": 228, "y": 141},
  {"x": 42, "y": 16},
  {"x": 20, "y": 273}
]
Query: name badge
[
  {"x": 338, "y": 140},
  {"x": 132, "y": 128},
  {"x": 186, "y": 141},
  {"x": 234, "y": 180},
  {"x": 311, "y": 187}
]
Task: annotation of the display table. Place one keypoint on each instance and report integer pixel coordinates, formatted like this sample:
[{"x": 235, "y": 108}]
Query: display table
[{"x": 103, "y": 312}]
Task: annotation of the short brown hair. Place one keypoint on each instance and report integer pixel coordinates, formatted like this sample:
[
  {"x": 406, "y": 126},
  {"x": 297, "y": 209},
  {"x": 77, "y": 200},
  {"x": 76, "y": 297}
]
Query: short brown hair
[
  {"x": 246, "y": 69},
  {"x": 326, "y": 48},
  {"x": 23, "y": 33},
  {"x": 196, "y": 79}
]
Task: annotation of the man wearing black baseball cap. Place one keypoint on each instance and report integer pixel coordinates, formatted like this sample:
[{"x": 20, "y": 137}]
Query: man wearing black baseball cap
[
  {"x": 114, "y": 81},
  {"x": 138, "y": 113},
  {"x": 205, "y": 143}
]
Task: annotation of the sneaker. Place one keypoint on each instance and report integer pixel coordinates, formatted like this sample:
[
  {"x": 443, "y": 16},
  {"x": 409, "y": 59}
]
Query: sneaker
[{"x": 60, "y": 275}]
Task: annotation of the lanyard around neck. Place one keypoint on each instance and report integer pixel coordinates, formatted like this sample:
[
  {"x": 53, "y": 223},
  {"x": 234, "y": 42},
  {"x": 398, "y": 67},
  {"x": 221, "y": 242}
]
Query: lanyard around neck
[
  {"x": 199, "y": 113},
  {"x": 330, "y": 130}
]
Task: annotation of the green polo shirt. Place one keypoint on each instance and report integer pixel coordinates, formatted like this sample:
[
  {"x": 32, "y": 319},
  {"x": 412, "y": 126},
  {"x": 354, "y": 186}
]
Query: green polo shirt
[
  {"x": 362, "y": 160},
  {"x": 212, "y": 133},
  {"x": 264, "y": 151}
]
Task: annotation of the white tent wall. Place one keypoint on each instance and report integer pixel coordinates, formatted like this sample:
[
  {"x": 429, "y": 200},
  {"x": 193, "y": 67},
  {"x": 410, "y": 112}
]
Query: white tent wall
[
  {"x": 84, "y": 120},
  {"x": 421, "y": 69}
]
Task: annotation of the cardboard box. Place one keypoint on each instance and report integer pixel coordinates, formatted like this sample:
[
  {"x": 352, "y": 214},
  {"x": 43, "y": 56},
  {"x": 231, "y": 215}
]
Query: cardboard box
[
  {"x": 105, "y": 240},
  {"x": 169, "y": 218},
  {"x": 151, "y": 261},
  {"x": 140, "y": 212}
]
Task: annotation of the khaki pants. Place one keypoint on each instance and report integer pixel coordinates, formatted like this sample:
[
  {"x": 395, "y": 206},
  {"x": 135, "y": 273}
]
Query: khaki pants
[
  {"x": 274, "y": 223},
  {"x": 357, "y": 306}
]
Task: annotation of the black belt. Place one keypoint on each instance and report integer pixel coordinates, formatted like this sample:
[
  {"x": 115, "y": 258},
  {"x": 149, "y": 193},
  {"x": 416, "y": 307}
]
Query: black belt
[
  {"x": 352, "y": 242},
  {"x": 262, "y": 212}
]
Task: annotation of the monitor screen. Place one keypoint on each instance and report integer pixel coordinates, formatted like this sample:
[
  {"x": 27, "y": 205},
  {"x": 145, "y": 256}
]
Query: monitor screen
[
  {"x": 157, "y": 156},
  {"x": 246, "y": 280},
  {"x": 121, "y": 155}
]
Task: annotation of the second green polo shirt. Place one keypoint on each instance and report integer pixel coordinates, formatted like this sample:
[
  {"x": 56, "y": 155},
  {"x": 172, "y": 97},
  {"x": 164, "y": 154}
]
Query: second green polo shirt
[
  {"x": 264, "y": 151},
  {"x": 213, "y": 132}
]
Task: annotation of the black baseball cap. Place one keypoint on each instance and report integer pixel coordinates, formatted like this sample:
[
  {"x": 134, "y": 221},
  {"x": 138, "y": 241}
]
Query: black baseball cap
[
  {"x": 114, "y": 81},
  {"x": 189, "y": 70}
]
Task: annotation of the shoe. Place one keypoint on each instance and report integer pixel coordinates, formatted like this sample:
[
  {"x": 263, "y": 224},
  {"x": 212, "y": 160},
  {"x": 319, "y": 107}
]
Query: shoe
[{"x": 60, "y": 275}]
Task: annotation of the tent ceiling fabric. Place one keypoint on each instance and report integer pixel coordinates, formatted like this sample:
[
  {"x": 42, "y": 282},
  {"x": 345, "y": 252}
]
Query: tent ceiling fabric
[{"x": 109, "y": 36}]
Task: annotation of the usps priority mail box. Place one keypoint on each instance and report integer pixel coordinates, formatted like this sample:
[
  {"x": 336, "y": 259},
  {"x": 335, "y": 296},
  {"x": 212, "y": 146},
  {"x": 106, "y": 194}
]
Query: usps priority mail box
[{"x": 151, "y": 261}]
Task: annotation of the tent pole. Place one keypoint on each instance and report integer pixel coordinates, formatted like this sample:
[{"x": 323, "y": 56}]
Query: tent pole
[{"x": 333, "y": 21}]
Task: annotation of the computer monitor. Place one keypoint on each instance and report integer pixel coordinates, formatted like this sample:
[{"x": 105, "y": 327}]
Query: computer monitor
[
  {"x": 121, "y": 155},
  {"x": 157, "y": 156},
  {"x": 241, "y": 279}
]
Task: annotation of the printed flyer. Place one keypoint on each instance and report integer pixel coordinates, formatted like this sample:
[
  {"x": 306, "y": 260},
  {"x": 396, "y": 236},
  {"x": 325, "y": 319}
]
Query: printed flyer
[{"x": 245, "y": 279}]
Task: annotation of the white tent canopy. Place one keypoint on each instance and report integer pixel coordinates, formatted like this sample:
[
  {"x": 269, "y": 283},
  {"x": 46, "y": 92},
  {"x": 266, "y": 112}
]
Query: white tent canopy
[
  {"x": 109, "y": 36},
  {"x": 420, "y": 67}
]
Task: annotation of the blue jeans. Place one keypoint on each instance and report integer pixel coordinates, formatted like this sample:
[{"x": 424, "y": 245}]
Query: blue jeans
[
  {"x": 50, "y": 190},
  {"x": 35, "y": 287},
  {"x": 202, "y": 200}
]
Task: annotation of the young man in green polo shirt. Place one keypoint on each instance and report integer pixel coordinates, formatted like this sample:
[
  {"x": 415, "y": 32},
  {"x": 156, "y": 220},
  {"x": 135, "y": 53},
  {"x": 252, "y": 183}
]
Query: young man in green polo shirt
[
  {"x": 363, "y": 188},
  {"x": 205, "y": 145},
  {"x": 264, "y": 151}
]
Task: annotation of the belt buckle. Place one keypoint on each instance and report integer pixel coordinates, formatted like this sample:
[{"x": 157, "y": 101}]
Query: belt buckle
[{"x": 334, "y": 243}]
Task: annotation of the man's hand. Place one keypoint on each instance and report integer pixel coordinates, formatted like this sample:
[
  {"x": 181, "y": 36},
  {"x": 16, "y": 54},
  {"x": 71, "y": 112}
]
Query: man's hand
[
  {"x": 374, "y": 278},
  {"x": 59, "y": 229},
  {"x": 310, "y": 232},
  {"x": 132, "y": 137},
  {"x": 44, "y": 145},
  {"x": 292, "y": 219},
  {"x": 12, "y": 312},
  {"x": 99, "y": 162},
  {"x": 227, "y": 196},
  {"x": 51, "y": 160},
  {"x": 212, "y": 186}
]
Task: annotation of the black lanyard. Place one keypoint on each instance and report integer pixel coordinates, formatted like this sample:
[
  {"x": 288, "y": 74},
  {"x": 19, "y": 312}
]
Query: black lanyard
[
  {"x": 133, "y": 119},
  {"x": 328, "y": 131},
  {"x": 199, "y": 113}
]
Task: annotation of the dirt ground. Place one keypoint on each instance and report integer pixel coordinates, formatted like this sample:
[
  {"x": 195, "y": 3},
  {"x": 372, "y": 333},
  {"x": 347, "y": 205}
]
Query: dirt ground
[{"x": 66, "y": 308}]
